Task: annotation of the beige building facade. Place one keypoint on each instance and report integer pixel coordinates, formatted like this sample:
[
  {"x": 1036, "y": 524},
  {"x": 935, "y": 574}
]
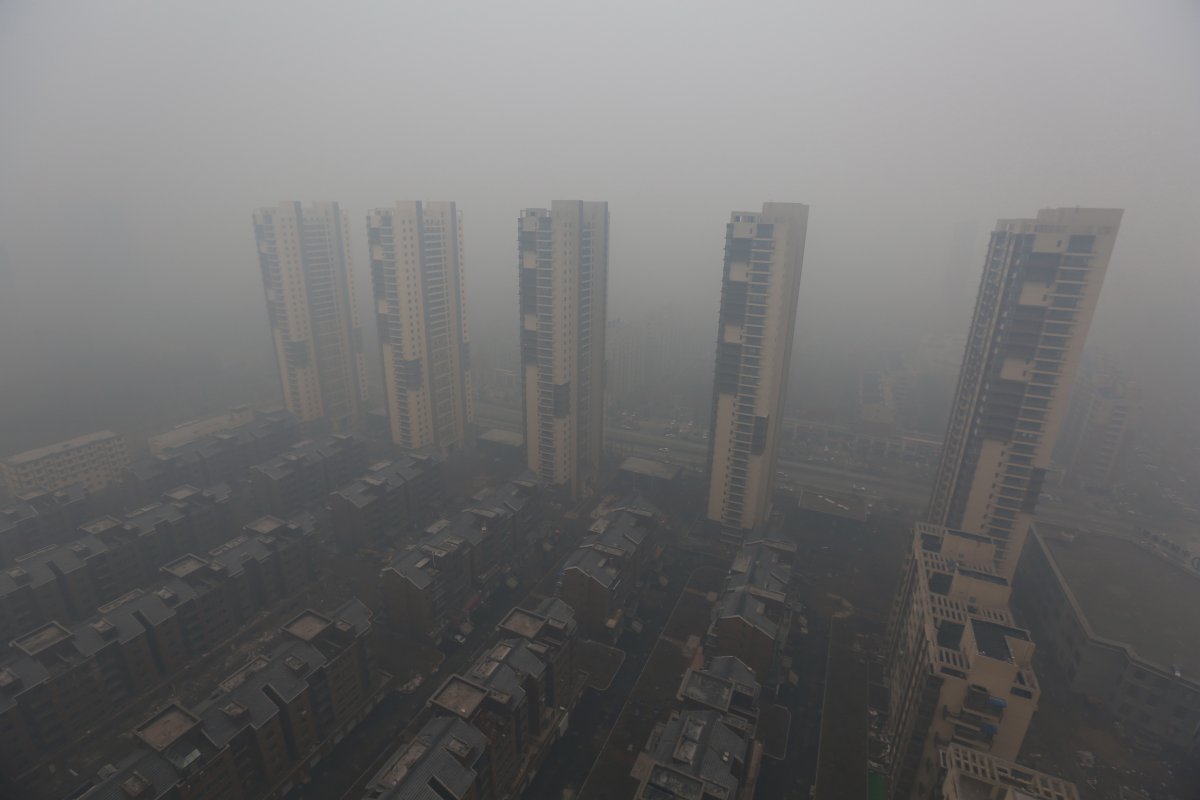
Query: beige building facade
[
  {"x": 960, "y": 671},
  {"x": 95, "y": 460},
  {"x": 304, "y": 254},
  {"x": 420, "y": 308},
  {"x": 764, "y": 253},
  {"x": 1041, "y": 282},
  {"x": 974, "y": 775},
  {"x": 563, "y": 269}
]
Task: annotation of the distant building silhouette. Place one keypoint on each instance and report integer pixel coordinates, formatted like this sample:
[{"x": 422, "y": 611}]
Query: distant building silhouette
[
  {"x": 304, "y": 253},
  {"x": 563, "y": 268},
  {"x": 95, "y": 460},
  {"x": 416, "y": 272},
  {"x": 1097, "y": 430}
]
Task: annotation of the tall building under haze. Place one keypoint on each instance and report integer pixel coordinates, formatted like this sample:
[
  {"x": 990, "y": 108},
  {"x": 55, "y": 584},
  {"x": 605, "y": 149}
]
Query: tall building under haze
[
  {"x": 1096, "y": 432},
  {"x": 764, "y": 252},
  {"x": 416, "y": 273},
  {"x": 1041, "y": 281},
  {"x": 563, "y": 268},
  {"x": 304, "y": 253}
]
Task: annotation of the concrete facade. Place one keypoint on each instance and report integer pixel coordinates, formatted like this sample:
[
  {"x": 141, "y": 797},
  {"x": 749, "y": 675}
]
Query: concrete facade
[
  {"x": 563, "y": 271},
  {"x": 1151, "y": 698},
  {"x": 959, "y": 668},
  {"x": 95, "y": 460},
  {"x": 420, "y": 308},
  {"x": 764, "y": 253},
  {"x": 304, "y": 254},
  {"x": 1041, "y": 282}
]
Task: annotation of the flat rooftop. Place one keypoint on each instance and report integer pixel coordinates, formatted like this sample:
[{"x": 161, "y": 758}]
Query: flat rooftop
[
  {"x": 185, "y": 565},
  {"x": 44, "y": 637},
  {"x": 1134, "y": 597},
  {"x": 165, "y": 727},
  {"x": 707, "y": 689},
  {"x": 265, "y": 525},
  {"x": 59, "y": 447},
  {"x": 506, "y": 438},
  {"x": 837, "y": 504},
  {"x": 522, "y": 623},
  {"x": 307, "y": 626},
  {"x": 650, "y": 468},
  {"x": 459, "y": 697}
]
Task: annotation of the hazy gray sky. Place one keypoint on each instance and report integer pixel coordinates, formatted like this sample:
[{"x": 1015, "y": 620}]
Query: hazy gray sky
[{"x": 137, "y": 137}]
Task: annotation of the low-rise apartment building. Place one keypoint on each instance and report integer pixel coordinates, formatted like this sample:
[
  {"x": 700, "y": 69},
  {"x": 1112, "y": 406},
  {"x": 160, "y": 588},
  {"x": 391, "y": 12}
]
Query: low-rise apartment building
[
  {"x": 458, "y": 563},
  {"x": 303, "y": 475},
  {"x": 106, "y": 557},
  {"x": 95, "y": 460},
  {"x": 1118, "y": 620},
  {"x": 57, "y": 682},
  {"x": 427, "y": 589},
  {"x": 388, "y": 499},
  {"x": 753, "y": 614},
  {"x": 41, "y": 518},
  {"x": 699, "y": 754},
  {"x": 262, "y": 727},
  {"x": 550, "y": 629},
  {"x": 59, "y": 679},
  {"x": 47, "y": 584},
  {"x": 447, "y": 759},
  {"x": 214, "y": 596},
  {"x": 724, "y": 684},
  {"x": 600, "y": 578},
  {"x": 510, "y": 695},
  {"x": 222, "y": 457}
]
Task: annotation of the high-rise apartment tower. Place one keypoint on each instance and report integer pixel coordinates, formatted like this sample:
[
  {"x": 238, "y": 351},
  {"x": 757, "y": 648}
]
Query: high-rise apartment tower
[
  {"x": 1041, "y": 281},
  {"x": 416, "y": 271},
  {"x": 764, "y": 253},
  {"x": 304, "y": 253},
  {"x": 563, "y": 255}
]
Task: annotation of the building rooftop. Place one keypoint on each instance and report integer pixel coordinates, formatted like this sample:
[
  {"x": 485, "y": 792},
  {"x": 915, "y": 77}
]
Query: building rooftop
[
  {"x": 1132, "y": 596},
  {"x": 191, "y": 431},
  {"x": 523, "y": 623},
  {"x": 760, "y": 568},
  {"x": 459, "y": 697},
  {"x": 308, "y": 453},
  {"x": 307, "y": 626},
  {"x": 383, "y": 478},
  {"x": 59, "y": 447},
  {"x": 976, "y": 775},
  {"x": 700, "y": 746},
  {"x": 41, "y": 639},
  {"x": 611, "y": 541},
  {"x": 264, "y": 424},
  {"x": 741, "y": 603},
  {"x": 717, "y": 685},
  {"x": 650, "y": 468},
  {"x": 34, "y": 569},
  {"x": 184, "y": 566},
  {"x": 515, "y": 654},
  {"x": 421, "y": 564},
  {"x": 246, "y": 698},
  {"x": 439, "y": 763},
  {"x": 164, "y": 728},
  {"x": 503, "y": 437},
  {"x": 992, "y": 639}
]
